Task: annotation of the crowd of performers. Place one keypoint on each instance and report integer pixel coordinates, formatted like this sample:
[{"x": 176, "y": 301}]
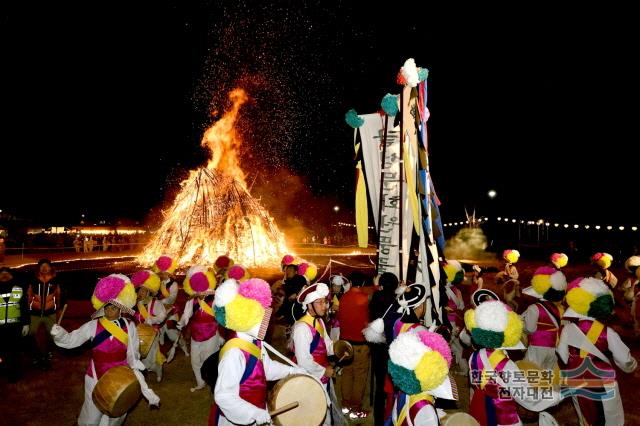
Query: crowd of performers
[{"x": 228, "y": 315}]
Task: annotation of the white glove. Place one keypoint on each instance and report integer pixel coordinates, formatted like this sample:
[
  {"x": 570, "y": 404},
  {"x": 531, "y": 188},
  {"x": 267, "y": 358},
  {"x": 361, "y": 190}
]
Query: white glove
[
  {"x": 56, "y": 330},
  {"x": 25, "y": 330},
  {"x": 263, "y": 417},
  {"x": 179, "y": 326}
]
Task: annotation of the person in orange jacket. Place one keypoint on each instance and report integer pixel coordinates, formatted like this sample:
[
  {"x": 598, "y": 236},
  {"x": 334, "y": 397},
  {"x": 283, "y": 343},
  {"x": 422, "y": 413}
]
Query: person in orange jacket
[{"x": 44, "y": 297}]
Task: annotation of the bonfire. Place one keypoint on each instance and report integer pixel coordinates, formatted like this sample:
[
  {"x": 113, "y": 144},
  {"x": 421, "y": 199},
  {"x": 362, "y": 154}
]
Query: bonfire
[{"x": 214, "y": 213}]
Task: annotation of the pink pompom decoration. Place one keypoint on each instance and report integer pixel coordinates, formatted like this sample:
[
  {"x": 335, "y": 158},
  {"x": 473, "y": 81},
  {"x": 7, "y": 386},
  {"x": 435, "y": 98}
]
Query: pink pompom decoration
[
  {"x": 302, "y": 268},
  {"x": 575, "y": 283},
  {"x": 164, "y": 263},
  {"x": 287, "y": 259},
  {"x": 223, "y": 261},
  {"x": 437, "y": 343},
  {"x": 545, "y": 270},
  {"x": 256, "y": 289},
  {"x": 236, "y": 272},
  {"x": 139, "y": 278},
  {"x": 108, "y": 288},
  {"x": 199, "y": 282}
]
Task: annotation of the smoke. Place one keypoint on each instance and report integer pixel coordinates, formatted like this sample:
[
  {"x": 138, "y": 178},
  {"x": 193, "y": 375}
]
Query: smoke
[
  {"x": 468, "y": 243},
  {"x": 297, "y": 211}
]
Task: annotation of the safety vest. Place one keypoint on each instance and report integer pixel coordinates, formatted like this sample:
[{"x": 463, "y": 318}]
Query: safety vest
[{"x": 10, "y": 309}]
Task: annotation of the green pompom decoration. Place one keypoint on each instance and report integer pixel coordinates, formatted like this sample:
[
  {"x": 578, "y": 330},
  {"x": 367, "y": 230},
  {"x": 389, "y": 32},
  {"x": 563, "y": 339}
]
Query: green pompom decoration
[
  {"x": 423, "y": 73},
  {"x": 601, "y": 307},
  {"x": 220, "y": 315},
  {"x": 404, "y": 379},
  {"x": 554, "y": 295},
  {"x": 487, "y": 338},
  {"x": 458, "y": 278},
  {"x": 389, "y": 104},
  {"x": 352, "y": 119}
]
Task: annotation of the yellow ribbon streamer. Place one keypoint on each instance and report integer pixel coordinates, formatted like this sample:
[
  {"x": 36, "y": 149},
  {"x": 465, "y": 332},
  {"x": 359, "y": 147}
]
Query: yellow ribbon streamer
[
  {"x": 143, "y": 310},
  {"x": 237, "y": 342},
  {"x": 206, "y": 307},
  {"x": 413, "y": 399},
  {"x": 114, "y": 330},
  {"x": 592, "y": 335},
  {"x": 308, "y": 319}
]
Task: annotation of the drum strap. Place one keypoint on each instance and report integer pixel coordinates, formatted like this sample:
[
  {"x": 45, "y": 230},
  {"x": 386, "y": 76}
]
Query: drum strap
[
  {"x": 113, "y": 330},
  {"x": 206, "y": 308}
]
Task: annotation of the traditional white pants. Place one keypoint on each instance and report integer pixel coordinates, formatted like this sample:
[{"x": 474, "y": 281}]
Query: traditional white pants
[
  {"x": 613, "y": 410},
  {"x": 200, "y": 351},
  {"x": 150, "y": 361}
]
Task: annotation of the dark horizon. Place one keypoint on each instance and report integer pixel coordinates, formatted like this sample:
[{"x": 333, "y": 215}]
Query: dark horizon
[{"x": 105, "y": 105}]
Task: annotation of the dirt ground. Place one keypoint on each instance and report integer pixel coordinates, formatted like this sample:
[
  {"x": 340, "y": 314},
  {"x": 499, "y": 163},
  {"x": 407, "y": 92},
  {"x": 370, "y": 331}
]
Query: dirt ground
[{"x": 54, "y": 397}]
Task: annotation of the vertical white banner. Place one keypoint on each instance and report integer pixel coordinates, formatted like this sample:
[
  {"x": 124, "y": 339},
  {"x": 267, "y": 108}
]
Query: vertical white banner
[{"x": 388, "y": 223}]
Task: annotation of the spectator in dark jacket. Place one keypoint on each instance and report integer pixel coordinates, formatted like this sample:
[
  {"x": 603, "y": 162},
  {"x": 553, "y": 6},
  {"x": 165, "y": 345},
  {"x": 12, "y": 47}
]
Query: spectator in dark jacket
[
  {"x": 379, "y": 307},
  {"x": 45, "y": 300}
]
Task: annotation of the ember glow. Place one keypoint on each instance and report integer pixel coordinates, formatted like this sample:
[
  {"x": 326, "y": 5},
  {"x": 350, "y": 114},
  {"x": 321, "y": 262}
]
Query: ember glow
[{"x": 214, "y": 213}]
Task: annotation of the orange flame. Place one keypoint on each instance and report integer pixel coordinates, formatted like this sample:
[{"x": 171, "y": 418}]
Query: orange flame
[
  {"x": 223, "y": 140},
  {"x": 214, "y": 213}
]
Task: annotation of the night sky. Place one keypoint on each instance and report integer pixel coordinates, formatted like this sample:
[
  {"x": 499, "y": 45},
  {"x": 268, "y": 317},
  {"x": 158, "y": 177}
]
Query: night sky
[{"x": 104, "y": 104}]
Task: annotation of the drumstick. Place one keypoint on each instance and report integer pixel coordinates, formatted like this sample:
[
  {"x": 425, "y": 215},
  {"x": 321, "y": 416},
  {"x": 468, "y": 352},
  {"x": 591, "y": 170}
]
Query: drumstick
[
  {"x": 64, "y": 308},
  {"x": 284, "y": 408}
]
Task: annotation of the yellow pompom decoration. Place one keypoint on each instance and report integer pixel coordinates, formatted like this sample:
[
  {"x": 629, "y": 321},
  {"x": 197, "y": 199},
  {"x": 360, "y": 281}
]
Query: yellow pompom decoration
[
  {"x": 560, "y": 260},
  {"x": 128, "y": 295},
  {"x": 243, "y": 313},
  {"x": 470, "y": 319},
  {"x": 451, "y": 271},
  {"x": 211, "y": 278},
  {"x": 152, "y": 283},
  {"x": 512, "y": 256},
  {"x": 513, "y": 331},
  {"x": 579, "y": 300},
  {"x": 311, "y": 272},
  {"x": 431, "y": 371},
  {"x": 541, "y": 283},
  {"x": 97, "y": 304}
]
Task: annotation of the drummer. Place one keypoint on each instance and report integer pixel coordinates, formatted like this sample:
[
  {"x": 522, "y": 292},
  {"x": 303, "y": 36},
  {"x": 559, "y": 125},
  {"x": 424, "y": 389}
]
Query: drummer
[
  {"x": 419, "y": 366},
  {"x": 494, "y": 329},
  {"x": 198, "y": 313},
  {"x": 166, "y": 267},
  {"x": 244, "y": 367},
  {"x": 151, "y": 312},
  {"x": 585, "y": 347},
  {"x": 114, "y": 342},
  {"x": 311, "y": 342},
  {"x": 542, "y": 319}
]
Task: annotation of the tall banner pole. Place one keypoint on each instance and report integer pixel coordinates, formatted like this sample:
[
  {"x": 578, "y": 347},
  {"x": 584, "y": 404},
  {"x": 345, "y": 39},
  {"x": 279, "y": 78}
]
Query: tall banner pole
[{"x": 381, "y": 198}]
